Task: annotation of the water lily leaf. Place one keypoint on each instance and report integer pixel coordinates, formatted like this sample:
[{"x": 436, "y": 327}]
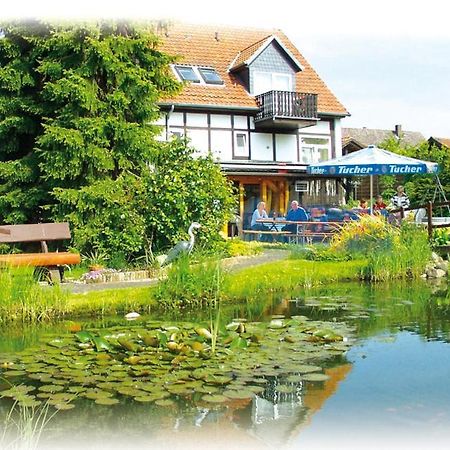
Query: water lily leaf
[
  {"x": 101, "y": 344},
  {"x": 238, "y": 343},
  {"x": 239, "y": 394},
  {"x": 283, "y": 389},
  {"x": 315, "y": 377},
  {"x": 84, "y": 336},
  {"x": 215, "y": 398}
]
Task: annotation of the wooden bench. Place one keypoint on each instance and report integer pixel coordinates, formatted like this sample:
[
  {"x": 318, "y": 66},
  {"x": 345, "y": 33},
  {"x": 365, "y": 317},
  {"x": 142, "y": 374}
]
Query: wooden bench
[{"x": 40, "y": 232}]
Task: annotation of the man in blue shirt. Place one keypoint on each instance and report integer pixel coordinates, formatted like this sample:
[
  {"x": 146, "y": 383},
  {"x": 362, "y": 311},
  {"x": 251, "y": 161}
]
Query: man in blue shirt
[{"x": 297, "y": 214}]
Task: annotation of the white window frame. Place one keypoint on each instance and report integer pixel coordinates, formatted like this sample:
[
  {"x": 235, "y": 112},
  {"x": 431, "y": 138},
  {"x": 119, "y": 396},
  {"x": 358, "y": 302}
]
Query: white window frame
[
  {"x": 315, "y": 150},
  {"x": 272, "y": 82},
  {"x": 239, "y": 151}
]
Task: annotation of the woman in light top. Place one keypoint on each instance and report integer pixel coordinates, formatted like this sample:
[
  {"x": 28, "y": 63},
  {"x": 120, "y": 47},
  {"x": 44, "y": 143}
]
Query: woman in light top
[{"x": 260, "y": 213}]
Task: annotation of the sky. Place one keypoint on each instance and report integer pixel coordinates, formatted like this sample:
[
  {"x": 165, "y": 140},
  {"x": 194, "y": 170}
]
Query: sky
[{"x": 387, "y": 61}]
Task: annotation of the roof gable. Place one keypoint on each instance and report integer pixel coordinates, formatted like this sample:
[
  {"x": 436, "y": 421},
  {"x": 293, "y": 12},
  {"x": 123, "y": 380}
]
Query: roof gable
[
  {"x": 217, "y": 47},
  {"x": 251, "y": 53}
]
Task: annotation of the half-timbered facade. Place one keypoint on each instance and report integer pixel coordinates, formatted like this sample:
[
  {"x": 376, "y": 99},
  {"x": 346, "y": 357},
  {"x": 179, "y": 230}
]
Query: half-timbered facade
[{"x": 254, "y": 103}]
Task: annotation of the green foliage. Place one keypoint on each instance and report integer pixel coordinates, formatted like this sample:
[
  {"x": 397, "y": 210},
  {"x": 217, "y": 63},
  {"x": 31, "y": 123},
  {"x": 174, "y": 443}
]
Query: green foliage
[
  {"x": 76, "y": 142},
  {"x": 182, "y": 189},
  {"x": 420, "y": 188},
  {"x": 441, "y": 236}
]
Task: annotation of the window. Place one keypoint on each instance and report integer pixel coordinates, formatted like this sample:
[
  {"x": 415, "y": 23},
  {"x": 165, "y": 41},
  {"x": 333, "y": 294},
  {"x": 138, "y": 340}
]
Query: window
[
  {"x": 268, "y": 81},
  {"x": 241, "y": 145},
  {"x": 314, "y": 150},
  {"x": 187, "y": 73},
  {"x": 210, "y": 76},
  {"x": 200, "y": 75}
]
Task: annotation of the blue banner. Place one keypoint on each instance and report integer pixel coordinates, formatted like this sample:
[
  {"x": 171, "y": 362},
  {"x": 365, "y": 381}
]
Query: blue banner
[{"x": 369, "y": 169}]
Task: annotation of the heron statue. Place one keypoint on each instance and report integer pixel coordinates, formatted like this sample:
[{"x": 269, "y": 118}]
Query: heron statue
[{"x": 183, "y": 247}]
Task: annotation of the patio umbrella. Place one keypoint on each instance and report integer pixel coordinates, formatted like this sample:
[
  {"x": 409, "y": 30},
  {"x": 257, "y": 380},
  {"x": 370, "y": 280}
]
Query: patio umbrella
[{"x": 372, "y": 161}]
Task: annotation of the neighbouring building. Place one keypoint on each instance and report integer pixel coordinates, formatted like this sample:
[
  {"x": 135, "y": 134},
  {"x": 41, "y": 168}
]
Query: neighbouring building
[
  {"x": 354, "y": 139},
  {"x": 439, "y": 142},
  {"x": 253, "y": 101}
]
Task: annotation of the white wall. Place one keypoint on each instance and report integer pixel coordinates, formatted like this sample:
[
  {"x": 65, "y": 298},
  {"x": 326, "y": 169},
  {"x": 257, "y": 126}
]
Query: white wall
[
  {"x": 338, "y": 137},
  {"x": 261, "y": 143},
  {"x": 261, "y": 146},
  {"x": 286, "y": 147},
  {"x": 221, "y": 144}
]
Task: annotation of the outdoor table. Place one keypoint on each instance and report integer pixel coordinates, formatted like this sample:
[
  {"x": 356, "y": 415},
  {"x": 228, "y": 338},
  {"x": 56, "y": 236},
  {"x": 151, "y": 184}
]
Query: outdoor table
[{"x": 306, "y": 230}]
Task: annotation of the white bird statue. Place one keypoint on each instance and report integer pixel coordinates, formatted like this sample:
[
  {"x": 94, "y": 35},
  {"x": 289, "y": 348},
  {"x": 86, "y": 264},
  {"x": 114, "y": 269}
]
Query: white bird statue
[{"x": 183, "y": 247}]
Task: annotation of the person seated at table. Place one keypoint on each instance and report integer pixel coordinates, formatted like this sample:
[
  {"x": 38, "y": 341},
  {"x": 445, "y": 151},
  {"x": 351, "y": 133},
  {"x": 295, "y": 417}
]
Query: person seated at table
[
  {"x": 362, "y": 208},
  {"x": 379, "y": 207},
  {"x": 297, "y": 214},
  {"x": 260, "y": 213}
]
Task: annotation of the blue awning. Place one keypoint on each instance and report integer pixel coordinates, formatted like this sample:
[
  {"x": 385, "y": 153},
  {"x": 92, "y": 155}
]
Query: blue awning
[{"x": 372, "y": 161}]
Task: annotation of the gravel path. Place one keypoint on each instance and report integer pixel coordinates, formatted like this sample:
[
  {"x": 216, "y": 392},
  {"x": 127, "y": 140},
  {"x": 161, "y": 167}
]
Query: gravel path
[{"x": 229, "y": 264}]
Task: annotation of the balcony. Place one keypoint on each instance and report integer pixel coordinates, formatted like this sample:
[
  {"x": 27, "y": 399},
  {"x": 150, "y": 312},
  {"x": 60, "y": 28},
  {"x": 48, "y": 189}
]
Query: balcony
[{"x": 286, "y": 110}]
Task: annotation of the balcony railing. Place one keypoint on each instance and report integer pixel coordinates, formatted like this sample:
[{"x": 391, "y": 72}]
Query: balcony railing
[{"x": 286, "y": 105}]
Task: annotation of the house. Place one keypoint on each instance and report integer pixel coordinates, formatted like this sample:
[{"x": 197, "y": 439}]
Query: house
[
  {"x": 253, "y": 101},
  {"x": 439, "y": 142},
  {"x": 354, "y": 139}
]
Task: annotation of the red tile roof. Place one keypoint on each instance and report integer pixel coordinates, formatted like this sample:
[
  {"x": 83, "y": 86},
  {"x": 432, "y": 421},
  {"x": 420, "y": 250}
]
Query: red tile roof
[
  {"x": 442, "y": 141},
  {"x": 218, "y": 47}
]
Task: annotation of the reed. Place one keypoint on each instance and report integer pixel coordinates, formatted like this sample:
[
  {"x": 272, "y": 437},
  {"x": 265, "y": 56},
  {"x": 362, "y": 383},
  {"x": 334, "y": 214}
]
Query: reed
[
  {"x": 24, "y": 425},
  {"x": 23, "y": 299}
]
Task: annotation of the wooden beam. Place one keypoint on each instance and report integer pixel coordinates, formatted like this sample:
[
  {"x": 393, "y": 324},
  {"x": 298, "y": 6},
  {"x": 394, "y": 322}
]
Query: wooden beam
[{"x": 40, "y": 259}]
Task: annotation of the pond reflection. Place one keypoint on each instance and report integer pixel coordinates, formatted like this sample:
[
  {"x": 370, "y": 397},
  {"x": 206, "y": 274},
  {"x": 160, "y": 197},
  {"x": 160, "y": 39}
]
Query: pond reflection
[{"x": 393, "y": 379}]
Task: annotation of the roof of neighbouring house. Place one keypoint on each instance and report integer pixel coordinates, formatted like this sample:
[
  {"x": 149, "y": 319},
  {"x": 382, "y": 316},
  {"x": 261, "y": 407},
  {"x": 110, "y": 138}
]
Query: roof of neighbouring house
[
  {"x": 368, "y": 136},
  {"x": 441, "y": 141},
  {"x": 219, "y": 47}
]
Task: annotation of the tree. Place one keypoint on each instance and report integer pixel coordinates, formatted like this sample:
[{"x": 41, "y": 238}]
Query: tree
[
  {"x": 76, "y": 107},
  {"x": 420, "y": 188}
]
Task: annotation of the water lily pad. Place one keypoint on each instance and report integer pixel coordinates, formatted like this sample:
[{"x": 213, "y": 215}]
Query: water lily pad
[
  {"x": 239, "y": 394},
  {"x": 315, "y": 377},
  {"x": 214, "y": 398}
]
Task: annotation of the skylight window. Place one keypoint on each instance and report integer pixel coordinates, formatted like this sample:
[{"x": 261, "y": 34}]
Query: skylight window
[
  {"x": 200, "y": 75},
  {"x": 210, "y": 76},
  {"x": 187, "y": 73}
]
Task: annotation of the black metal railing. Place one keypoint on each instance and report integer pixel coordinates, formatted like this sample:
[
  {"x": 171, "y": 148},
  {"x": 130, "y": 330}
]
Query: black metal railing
[{"x": 284, "y": 104}]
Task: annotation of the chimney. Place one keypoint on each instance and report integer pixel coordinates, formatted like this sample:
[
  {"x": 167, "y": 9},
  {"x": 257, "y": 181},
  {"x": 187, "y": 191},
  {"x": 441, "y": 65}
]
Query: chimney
[
  {"x": 398, "y": 131},
  {"x": 216, "y": 36}
]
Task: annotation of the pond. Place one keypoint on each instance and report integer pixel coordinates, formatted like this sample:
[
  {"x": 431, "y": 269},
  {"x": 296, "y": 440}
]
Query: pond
[{"x": 385, "y": 385}]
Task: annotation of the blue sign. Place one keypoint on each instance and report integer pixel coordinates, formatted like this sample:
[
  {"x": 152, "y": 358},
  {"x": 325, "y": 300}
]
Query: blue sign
[{"x": 368, "y": 169}]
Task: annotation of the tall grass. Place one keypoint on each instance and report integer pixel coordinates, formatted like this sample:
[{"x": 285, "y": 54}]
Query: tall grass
[
  {"x": 391, "y": 252},
  {"x": 23, "y": 299},
  {"x": 190, "y": 285}
]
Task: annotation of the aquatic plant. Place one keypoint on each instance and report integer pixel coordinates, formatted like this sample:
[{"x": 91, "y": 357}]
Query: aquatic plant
[
  {"x": 190, "y": 285},
  {"x": 26, "y": 420},
  {"x": 155, "y": 361}
]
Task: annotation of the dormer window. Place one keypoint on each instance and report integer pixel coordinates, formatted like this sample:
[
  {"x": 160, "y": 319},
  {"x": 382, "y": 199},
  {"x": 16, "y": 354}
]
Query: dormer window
[
  {"x": 195, "y": 74},
  {"x": 187, "y": 73},
  {"x": 210, "y": 76},
  {"x": 271, "y": 81}
]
